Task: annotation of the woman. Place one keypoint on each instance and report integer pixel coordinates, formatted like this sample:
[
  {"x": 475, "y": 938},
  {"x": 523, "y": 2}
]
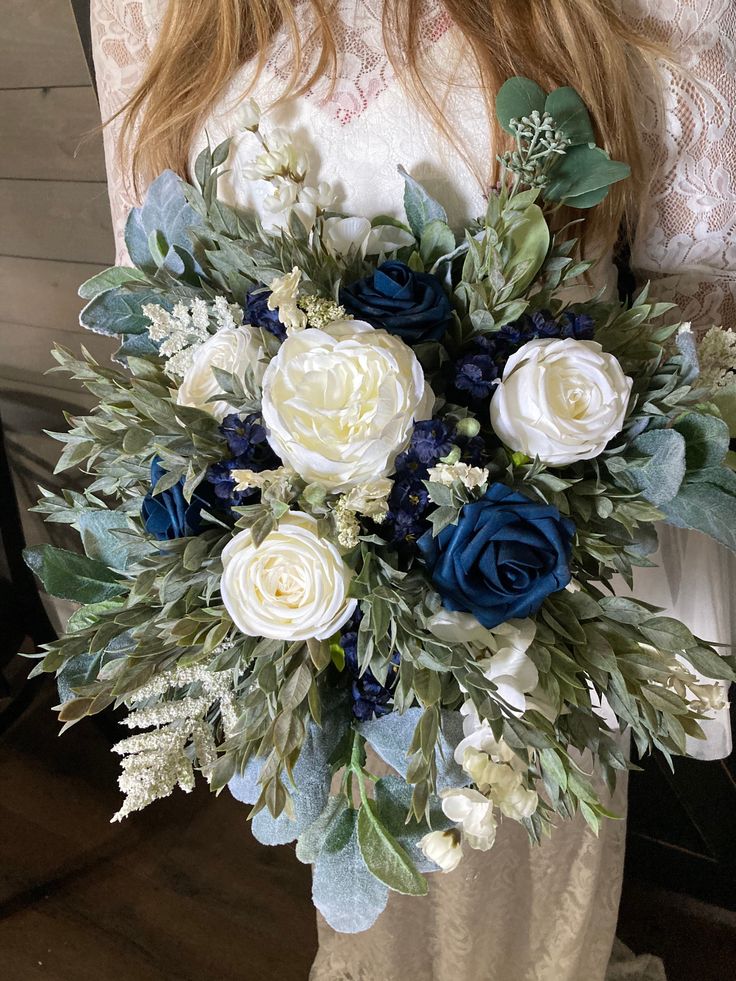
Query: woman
[{"x": 367, "y": 85}]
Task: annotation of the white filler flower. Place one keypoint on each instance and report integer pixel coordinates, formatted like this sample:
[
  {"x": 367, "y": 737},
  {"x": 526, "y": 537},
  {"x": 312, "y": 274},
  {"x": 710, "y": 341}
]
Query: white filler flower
[
  {"x": 560, "y": 400},
  {"x": 474, "y": 813},
  {"x": 339, "y": 404},
  {"x": 444, "y": 848},
  {"x": 293, "y": 586},
  {"x": 232, "y": 350}
]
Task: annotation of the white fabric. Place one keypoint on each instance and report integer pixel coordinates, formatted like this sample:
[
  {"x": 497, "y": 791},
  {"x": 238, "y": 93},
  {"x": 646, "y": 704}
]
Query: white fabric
[{"x": 516, "y": 913}]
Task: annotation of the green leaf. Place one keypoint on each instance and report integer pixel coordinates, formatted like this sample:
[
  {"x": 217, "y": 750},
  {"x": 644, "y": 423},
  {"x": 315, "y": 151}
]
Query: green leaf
[
  {"x": 118, "y": 311},
  {"x": 530, "y": 240},
  {"x": 668, "y": 634},
  {"x": 97, "y": 530},
  {"x": 725, "y": 401},
  {"x": 581, "y": 170},
  {"x": 109, "y": 279},
  {"x": 71, "y": 576},
  {"x": 394, "y": 802},
  {"x": 706, "y": 440},
  {"x": 437, "y": 240},
  {"x": 660, "y": 477},
  {"x": 384, "y": 856},
  {"x": 570, "y": 115},
  {"x": 709, "y": 663},
  {"x": 310, "y": 843},
  {"x": 703, "y": 505},
  {"x": 518, "y": 97},
  {"x": 421, "y": 209}
]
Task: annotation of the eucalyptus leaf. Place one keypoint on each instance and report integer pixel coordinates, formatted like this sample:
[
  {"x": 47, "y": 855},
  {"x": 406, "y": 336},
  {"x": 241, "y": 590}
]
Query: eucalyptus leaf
[
  {"x": 570, "y": 115},
  {"x": 581, "y": 170},
  {"x": 518, "y": 97}
]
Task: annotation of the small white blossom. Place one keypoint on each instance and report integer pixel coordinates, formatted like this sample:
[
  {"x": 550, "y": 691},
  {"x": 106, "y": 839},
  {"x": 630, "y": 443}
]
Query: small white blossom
[
  {"x": 369, "y": 499},
  {"x": 474, "y": 813},
  {"x": 444, "y": 848},
  {"x": 346, "y": 236},
  {"x": 448, "y": 473},
  {"x": 284, "y": 295},
  {"x": 348, "y": 529},
  {"x": 717, "y": 357},
  {"x": 246, "y": 479},
  {"x": 248, "y": 115},
  {"x": 322, "y": 312}
]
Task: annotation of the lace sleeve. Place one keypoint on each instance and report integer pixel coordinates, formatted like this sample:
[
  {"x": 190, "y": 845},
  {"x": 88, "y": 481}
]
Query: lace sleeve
[
  {"x": 123, "y": 32},
  {"x": 686, "y": 242}
]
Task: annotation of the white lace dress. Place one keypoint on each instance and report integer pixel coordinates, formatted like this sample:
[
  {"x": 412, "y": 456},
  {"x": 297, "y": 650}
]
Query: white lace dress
[{"x": 517, "y": 913}]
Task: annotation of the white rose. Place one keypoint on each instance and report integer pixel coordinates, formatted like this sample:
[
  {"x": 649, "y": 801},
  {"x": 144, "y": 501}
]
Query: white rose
[
  {"x": 339, "y": 404},
  {"x": 474, "y": 813},
  {"x": 560, "y": 400},
  {"x": 233, "y": 349},
  {"x": 293, "y": 586},
  {"x": 443, "y": 848}
]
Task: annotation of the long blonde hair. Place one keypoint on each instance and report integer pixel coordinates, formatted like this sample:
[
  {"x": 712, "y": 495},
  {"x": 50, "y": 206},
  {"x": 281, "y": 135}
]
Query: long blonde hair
[{"x": 582, "y": 43}]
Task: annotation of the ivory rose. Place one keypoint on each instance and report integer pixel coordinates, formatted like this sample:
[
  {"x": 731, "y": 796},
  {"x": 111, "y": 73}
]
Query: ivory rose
[
  {"x": 293, "y": 586},
  {"x": 561, "y": 400},
  {"x": 232, "y": 349},
  {"x": 339, "y": 404}
]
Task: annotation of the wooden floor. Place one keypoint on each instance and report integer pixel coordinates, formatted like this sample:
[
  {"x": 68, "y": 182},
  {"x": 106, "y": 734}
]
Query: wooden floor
[{"x": 182, "y": 892}]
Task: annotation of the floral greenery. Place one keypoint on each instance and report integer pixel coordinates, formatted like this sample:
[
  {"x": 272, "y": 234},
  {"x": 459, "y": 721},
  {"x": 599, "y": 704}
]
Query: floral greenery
[{"x": 275, "y": 719}]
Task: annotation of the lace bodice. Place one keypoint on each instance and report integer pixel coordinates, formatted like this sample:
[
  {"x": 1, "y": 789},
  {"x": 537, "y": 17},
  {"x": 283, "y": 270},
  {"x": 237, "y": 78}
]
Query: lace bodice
[{"x": 686, "y": 242}]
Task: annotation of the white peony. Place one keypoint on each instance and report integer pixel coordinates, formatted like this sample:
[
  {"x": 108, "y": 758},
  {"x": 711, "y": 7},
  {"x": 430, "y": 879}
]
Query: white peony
[
  {"x": 294, "y": 586},
  {"x": 560, "y": 400},
  {"x": 474, "y": 813},
  {"x": 443, "y": 848},
  {"x": 339, "y": 404},
  {"x": 234, "y": 350}
]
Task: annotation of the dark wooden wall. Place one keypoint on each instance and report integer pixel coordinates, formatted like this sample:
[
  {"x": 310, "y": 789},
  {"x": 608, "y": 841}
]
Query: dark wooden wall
[{"x": 54, "y": 222}]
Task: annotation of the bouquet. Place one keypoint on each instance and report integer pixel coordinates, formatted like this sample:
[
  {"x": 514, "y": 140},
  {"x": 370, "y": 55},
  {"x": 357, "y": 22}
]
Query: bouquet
[{"x": 364, "y": 486}]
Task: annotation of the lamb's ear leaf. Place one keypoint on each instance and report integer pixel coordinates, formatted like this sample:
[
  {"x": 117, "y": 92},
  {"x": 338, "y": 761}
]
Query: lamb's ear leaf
[
  {"x": 518, "y": 97},
  {"x": 348, "y": 896},
  {"x": 420, "y": 207},
  {"x": 165, "y": 212}
]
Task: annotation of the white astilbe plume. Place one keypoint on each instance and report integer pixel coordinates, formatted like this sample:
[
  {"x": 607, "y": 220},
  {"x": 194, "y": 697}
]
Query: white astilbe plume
[
  {"x": 155, "y": 762},
  {"x": 181, "y": 331}
]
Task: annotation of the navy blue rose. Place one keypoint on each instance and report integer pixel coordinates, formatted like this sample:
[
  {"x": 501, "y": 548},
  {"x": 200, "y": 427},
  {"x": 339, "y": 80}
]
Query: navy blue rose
[
  {"x": 411, "y": 305},
  {"x": 503, "y": 558},
  {"x": 258, "y": 314},
  {"x": 169, "y": 515}
]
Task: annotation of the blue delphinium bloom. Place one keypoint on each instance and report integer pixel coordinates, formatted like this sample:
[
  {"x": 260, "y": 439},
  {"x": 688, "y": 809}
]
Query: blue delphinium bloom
[
  {"x": 369, "y": 697},
  {"x": 541, "y": 324},
  {"x": 246, "y": 440},
  {"x": 412, "y": 305},
  {"x": 430, "y": 441},
  {"x": 169, "y": 515},
  {"x": 408, "y": 501},
  {"x": 243, "y": 435},
  {"x": 476, "y": 372},
  {"x": 258, "y": 314},
  {"x": 502, "y": 559}
]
